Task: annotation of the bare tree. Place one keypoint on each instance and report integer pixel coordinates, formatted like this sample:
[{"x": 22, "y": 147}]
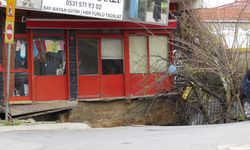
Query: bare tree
[
  {"x": 212, "y": 67},
  {"x": 209, "y": 62}
]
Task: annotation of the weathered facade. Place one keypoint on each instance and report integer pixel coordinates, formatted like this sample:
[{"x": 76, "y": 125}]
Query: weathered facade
[{"x": 64, "y": 57}]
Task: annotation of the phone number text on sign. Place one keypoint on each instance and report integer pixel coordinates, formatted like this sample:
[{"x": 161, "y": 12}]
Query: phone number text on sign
[
  {"x": 84, "y": 4},
  {"x": 109, "y": 9}
]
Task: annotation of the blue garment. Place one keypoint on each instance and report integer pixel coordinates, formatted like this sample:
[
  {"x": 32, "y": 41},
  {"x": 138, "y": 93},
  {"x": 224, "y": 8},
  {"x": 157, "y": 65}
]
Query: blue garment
[
  {"x": 19, "y": 61},
  {"x": 35, "y": 49},
  {"x": 133, "y": 8}
]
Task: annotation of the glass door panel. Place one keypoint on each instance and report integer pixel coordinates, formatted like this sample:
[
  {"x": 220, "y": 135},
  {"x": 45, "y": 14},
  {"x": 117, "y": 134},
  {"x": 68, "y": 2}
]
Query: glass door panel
[
  {"x": 19, "y": 77},
  {"x": 88, "y": 56},
  {"x": 50, "y": 75},
  {"x": 88, "y": 70}
]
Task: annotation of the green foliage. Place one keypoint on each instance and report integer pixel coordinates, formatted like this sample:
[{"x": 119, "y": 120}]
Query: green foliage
[
  {"x": 164, "y": 7},
  {"x": 242, "y": 117},
  {"x": 13, "y": 123}
]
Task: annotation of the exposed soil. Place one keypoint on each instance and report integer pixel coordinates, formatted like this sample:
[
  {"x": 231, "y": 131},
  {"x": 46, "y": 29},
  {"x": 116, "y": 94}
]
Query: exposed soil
[{"x": 125, "y": 112}]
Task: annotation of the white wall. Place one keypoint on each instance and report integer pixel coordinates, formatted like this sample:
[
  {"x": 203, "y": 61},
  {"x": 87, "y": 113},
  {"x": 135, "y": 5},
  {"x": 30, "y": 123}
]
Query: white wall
[
  {"x": 190, "y": 4},
  {"x": 215, "y": 3},
  {"x": 227, "y": 30},
  {"x": 195, "y": 4}
]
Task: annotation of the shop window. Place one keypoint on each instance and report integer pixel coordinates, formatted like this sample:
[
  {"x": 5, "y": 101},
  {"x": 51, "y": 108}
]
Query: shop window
[
  {"x": 20, "y": 54},
  {"x": 88, "y": 56},
  {"x": 112, "y": 56},
  {"x": 18, "y": 68},
  {"x": 158, "y": 51},
  {"x": 49, "y": 56},
  {"x": 138, "y": 54},
  {"x": 19, "y": 84}
]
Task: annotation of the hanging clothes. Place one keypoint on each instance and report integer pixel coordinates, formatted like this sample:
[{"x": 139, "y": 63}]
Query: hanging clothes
[
  {"x": 18, "y": 60},
  {"x": 35, "y": 50},
  {"x": 23, "y": 50},
  {"x": 133, "y": 8},
  {"x": 18, "y": 45},
  {"x": 157, "y": 10},
  {"x": 61, "y": 43},
  {"x": 52, "y": 46},
  {"x": 38, "y": 45},
  {"x": 43, "y": 47}
]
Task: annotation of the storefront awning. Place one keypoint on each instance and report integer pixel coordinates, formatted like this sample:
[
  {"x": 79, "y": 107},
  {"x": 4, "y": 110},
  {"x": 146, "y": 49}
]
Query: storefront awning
[{"x": 92, "y": 24}]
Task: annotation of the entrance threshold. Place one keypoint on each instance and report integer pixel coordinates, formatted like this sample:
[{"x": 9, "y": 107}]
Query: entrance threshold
[{"x": 40, "y": 108}]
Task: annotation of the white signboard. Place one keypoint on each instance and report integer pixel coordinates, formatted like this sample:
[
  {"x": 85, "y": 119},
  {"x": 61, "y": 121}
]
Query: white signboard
[
  {"x": 108, "y": 9},
  {"x": 30, "y": 4},
  {"x": 145, "y": 11},
  {"x": 2, "y": 2},
  {"x": 25, "y": 4}
]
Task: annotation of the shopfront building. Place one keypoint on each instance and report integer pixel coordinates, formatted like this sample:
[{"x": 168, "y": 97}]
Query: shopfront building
[{"x": 63, "y": 57}]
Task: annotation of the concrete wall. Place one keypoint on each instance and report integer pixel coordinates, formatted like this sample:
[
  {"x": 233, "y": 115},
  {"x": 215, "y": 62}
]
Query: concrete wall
[
  {"x": 227, "y": 30},
  {"x": 191, "y": 4}
]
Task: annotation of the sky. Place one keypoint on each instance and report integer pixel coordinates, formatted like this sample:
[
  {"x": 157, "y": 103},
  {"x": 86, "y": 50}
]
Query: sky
[{"x": 214, "y": 3}]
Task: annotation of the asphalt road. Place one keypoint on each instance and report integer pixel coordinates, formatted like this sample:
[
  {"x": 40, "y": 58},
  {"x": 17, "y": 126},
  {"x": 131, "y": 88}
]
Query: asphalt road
[{"x": 215, "y": 137}]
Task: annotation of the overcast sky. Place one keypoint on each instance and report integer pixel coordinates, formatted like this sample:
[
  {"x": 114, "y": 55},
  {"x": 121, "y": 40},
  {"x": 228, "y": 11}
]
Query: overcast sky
[{"x": 214, "y": 3}]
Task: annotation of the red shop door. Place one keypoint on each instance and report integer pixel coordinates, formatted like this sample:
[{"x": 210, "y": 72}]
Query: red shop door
[
  {"x": 50, "y": 79},
  {"x": 100, "y": 67},
  {"x": 88, "y": 67},
  {"x": 19, "y": 69}
]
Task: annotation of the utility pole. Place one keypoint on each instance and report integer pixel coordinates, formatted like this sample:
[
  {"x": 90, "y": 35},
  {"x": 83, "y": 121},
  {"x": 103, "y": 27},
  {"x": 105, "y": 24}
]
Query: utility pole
[{"x": 9, "y": 39}]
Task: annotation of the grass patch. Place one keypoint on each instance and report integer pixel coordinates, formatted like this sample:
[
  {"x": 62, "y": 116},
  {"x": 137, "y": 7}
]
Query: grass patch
[{"x": 12, "y": 123}]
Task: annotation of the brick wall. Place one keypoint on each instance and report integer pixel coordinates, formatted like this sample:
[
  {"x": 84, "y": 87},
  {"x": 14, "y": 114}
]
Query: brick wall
[{"x": 231, "y": 12}]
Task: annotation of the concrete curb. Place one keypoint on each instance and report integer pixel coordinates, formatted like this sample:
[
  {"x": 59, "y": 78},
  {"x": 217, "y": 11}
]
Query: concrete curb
[
  {"x": 46, "y": 127},
  {"x": 233, "y": 147}
]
